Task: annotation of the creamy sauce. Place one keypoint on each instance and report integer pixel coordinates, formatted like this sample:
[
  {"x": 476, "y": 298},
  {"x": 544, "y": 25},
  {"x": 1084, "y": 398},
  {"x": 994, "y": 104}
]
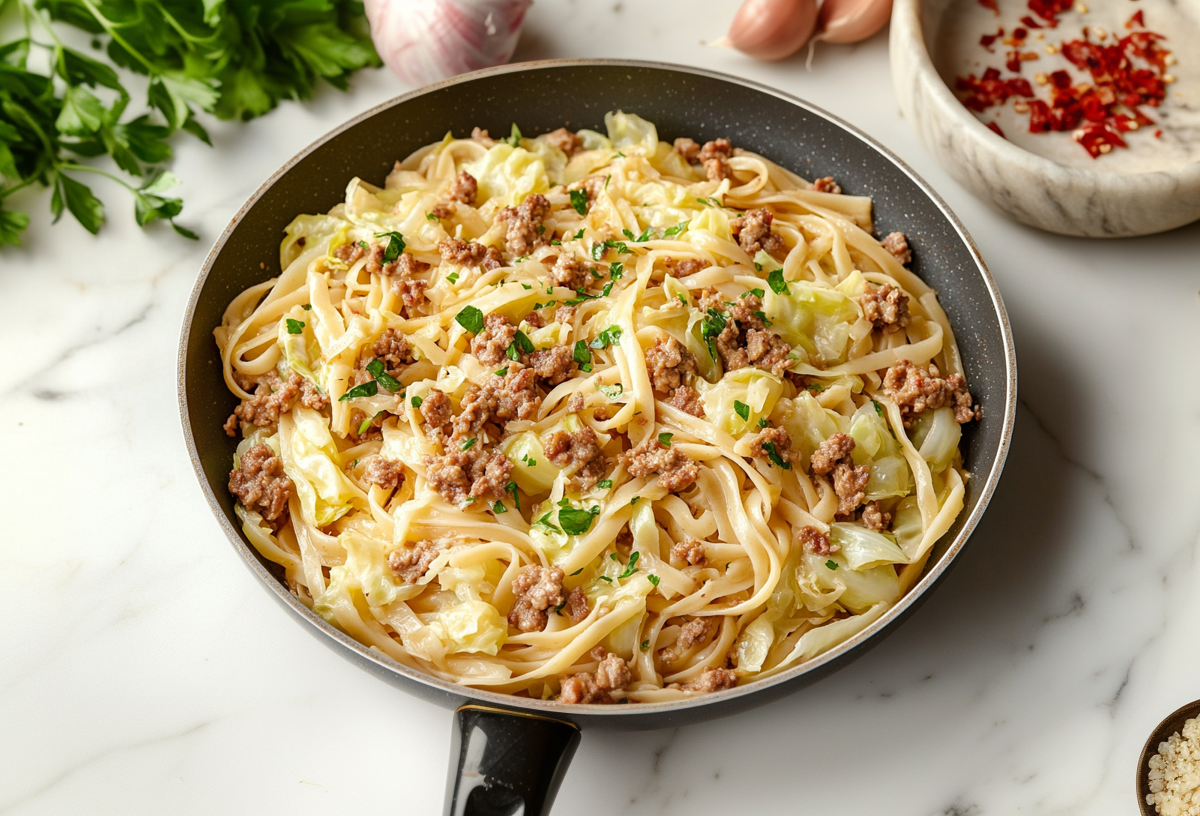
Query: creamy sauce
[{"x": 954, "y": 46}]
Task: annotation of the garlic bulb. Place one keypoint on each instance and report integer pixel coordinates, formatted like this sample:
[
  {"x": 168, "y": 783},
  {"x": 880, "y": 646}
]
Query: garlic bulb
[
  {"x": 773, "y": 29},
  {"x": 848, "y": 21},
  {"x": 427, "y": 40}
]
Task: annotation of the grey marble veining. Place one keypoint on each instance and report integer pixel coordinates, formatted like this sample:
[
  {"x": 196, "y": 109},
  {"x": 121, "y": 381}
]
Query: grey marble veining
[{"x": 144, "y": 671}]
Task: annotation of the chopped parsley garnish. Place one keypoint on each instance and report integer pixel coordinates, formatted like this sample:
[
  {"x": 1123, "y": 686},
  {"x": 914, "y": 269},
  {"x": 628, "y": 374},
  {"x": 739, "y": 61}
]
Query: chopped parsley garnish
[
  {"x": 645, "y": 644},
  {"x": 878, "y": 407},
  {"x": 664, "y": 439},
  {"x": 529, "y": 460},
  {"x": 762, "y": 422},
  {"x": 367, "y": 389},
  {"x": 579, "y": 201},
  {"x": 757, "y": 266},
  {"x": 675, "y": 230},
  {"x": 777, "y": 283},
  {"x": 818, "y": 388},
  {"x": 774, "y": 456},
  {"x": 376, "y": 370},
  {"x": 416, "y": 402},
  {"x": 471, "y": 319},
  {"x": 606, "y": 180},
  {"x": 596, "y": 274},
  {"x": 521, "y": 344},
  {"x": 616, "y": 270},
  {"x": 511, "y": 488},
  {"x": 555, "y": 242},
  {"x": 499, "y": 508},
  {"x": 831, "y": 564},
  {"x": 366, "y": 423},
  {"x": 395, "y": 245},
  {"x": 575, "y": 521},
  {"x": 605, "y": 578},
  {"x": 646, "y": 235},
  {"x": 605, "y": 483},
  {"x": 611, "y": 391},
  {"x": 635, "y": 500},
  {"x": 582, "y": 356},
  {"x": 521, "y": 259},
  {"x": 712, "y": 326},
  {"x": 576, "y": 572},
  {"x": 577, "y": 236},
  {"x": 607, "y": 290},
  {"x": 307, "y": 307},
  {"x": 682, "y": 298},
  {"x": 620, "y": 246},
  {"x": 742, "y": 409},
  {"x": 628, "y": 234},
  {"x": 430, "y": 217},
  {"x": 631, "y": 567},
  {"x": 544, "y": 521},
  {"x": 500, "y": 372},
  {"x": 468, "y": 444},
  {"x": 619, "y": 153},
  {"x": 653, "y": 579},
  {"x": 452, "y": 277},
  {"x": 295, "y": 326},
  {"x": 609, "y": 337},
  {"x": 615, "y": 557},
  {"x": 541, "y": 230},
  {"x": 526, "y": 286},
  {"x": 514, "y": 137},
  {"x": 761, "y": 315}
]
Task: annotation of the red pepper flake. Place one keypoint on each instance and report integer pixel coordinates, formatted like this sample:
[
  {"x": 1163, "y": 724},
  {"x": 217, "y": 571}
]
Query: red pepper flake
[
  {"x": 1122, "y": 76},
  {"x": 1029, "y": 22},
  {"x": 987, "y": 39},
  {"x": 1158, "y": 134},
  {"x": 990, "y": 4},
  {"x": 992, "y": 126}
]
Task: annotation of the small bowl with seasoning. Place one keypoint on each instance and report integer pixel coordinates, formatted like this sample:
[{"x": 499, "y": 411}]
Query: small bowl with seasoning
[
  {"x": 1080, "y": 117},
  {"x": 1168, "y": 772}
]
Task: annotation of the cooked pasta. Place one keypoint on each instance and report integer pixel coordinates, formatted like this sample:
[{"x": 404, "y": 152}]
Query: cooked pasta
[{"x": 595, "y": 418}]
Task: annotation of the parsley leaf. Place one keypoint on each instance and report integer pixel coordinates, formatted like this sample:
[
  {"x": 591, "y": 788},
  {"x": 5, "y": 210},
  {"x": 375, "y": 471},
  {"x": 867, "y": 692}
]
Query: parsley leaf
[
  {"x": 367, "y": 389},
  {"x": 742, "y": 410},
  {"x": 777, "y": 283},
  {"x": 635, "y": 500},
  {"x": 514, "y": 138},
  {"x": 831, "y": 564},
  {"x": 579, "y": 201},
  {"x": 376, "y": 370},
  {"x": 710, "y": 328},
  {"x": 878, "y": 407},
  {"x": 452, "y": 277},
  {"x": 631, "y": 567},
  {"x": 471, "y": 319},
  {"x": 664, "y": 439},
  {"x": 609, "y": 337},
  {"x": 616, "y": 270},
  {"x": 577, "y": 236},
  {"x": 646, "y": 643},
  {"x": 675, "y": 230},
  {"x": 653, "y": 579},
  {"x": 544, "y": 521},
  {"x": 582, "y": 356},
  {"x": 521, "y": 344},
  {"x": 395, "y": 245},
  {"x": 416, "y": 402},
  {"x": 575, "y": 521},
  {"x": 500, "y": 372},
  {"x": 307, "y": 307},
  {"x": 774, "y": 456},
  {"x": 295, "y": 326},
  {"x": 611, "y": 391},
  {"x": 499, "y": 508},
  {"x": 468, "y": 444},
  {"x": 605, "y": 483},
  {"x": 364, "y": 425},
  {"x": 511, "y": 488},
  {"x": 758, "y": 293}
]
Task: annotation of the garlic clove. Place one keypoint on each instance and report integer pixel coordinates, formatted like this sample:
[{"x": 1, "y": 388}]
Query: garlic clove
[
  {"x": 773, "y": 29},
  {"x": 850, "y": 21}
]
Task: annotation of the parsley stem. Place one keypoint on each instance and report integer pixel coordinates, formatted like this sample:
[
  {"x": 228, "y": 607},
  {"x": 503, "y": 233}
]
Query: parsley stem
[
  {"x": 111, "y": 30},
  {"x": 98, "y": 171}
]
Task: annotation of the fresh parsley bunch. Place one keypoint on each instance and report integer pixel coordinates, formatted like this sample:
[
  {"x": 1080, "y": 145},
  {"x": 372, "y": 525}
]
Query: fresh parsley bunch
[{"x": 235, "y": 59}]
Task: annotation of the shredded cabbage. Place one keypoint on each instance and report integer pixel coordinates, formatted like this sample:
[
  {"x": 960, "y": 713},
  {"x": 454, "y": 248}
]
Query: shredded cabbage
[
  {"x": 532, "y": 471},
  {"x": 816, "y": 318},
  {"x": 865, "y": 548},
  {"x": 509, "y": 173},
  {"x": 628, "y": 130},
  {"x": 754, "y": 388},
  {"x": 860, "y": 589},
  {"x": 312, "y": 464}
]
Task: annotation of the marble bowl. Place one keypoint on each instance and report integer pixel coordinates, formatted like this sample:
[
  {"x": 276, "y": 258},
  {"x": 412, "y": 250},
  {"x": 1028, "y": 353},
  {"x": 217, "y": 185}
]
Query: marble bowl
[
  {"x": 1040, "y": 192},
  {"x": 1172, "y": 724}
]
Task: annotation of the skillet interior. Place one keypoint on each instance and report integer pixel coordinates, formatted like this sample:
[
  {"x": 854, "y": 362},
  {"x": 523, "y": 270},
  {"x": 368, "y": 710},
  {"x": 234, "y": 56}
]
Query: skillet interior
[{"x": 681, "y": 102}]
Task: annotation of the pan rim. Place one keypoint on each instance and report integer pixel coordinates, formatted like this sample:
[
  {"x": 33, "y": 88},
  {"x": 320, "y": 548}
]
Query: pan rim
[{"x": 931, "y": 576}]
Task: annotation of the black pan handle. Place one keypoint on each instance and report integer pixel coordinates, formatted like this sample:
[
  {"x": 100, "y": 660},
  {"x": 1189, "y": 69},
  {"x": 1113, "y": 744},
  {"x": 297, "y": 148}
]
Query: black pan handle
[{"x": 506, "y": 763}]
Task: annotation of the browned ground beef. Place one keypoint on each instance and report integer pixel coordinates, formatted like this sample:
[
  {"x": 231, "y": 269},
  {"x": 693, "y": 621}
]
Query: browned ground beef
[
  {"x": 689, "y": 551},
  {"x": 536, "y": 590},
  {"x": 715, "y": 158},
  {"x": 491, "y": 345},
  {"x": 272, "y": 398},
  {"x": 349, "y": 253},
  {"x": 712, "y": 680},
  {"x": 393, "y": 350},
  {"x": 849, "y": 480},
  {"x": 576, "y": 403},
  {"x": 886, "y": 307},
  {"x": 500, "y": 399},
  {"x": 697, "y": 630},
  {"x": 386, "y": 473},
  {"x": 612, "y": 673},
  {"x": 779, "y": 438},
  {"x": 445, "y": 209},
  {"x": 465, "y": 188},
  {"x": 372, "y": 429},
  {"x": 375, "y": 264},
  {"x": 915, "y": 389},
  {"x": 897, "y": 244},
  {"x": 593, "y": 186},
  {"x": 753, "y": 232},
  {"x": 577, "y": 605},
  {"x": 469, "y": 253},
  {"x": 675, "y": 471},
  {"x": 436, "y": 410},
  {"x": 745, "y": 340},
  {"x": 585, "y": 687},
  {"x": 482, "y": 136},
  {"x": 826, "y": 185},
  {"x": 874, "y": 517},
  {"x": 815, "y": 541},
  {"x": 565, "y": 314},
  {"x": 666, "y": 363},
  {"x": 553, "y": 365},
  {"x": 460, "y": 476},
  {"x": 570, "y": 272},
  {"x": 688, "y": 149},
  {"x": 410, "y": 563},
  {"x": 564, "y": 140},
  {"x": 682, "y": 267},
  {"x": 579, "y": 449},
  {"x": 259, "y": 483},
  {"x": 523, "y": 221},
  {"x": 687, "y": 399}
]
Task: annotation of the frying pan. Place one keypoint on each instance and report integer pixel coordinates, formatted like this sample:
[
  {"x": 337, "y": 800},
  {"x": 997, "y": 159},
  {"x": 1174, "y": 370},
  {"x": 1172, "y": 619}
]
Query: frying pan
[{"x": 512, "y": 753}]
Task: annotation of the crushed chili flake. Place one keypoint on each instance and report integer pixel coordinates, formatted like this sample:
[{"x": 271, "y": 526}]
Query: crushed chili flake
[
  {"x": 1125, "y": 74},
  {"x": 996, "y": 129},
  {"x": 1029, "y": 22},
  {"x": 990, "y": 4}
]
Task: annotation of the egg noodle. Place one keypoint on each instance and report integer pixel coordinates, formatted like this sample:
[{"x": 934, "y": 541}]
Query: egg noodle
[{"x": 630, "y": 209}]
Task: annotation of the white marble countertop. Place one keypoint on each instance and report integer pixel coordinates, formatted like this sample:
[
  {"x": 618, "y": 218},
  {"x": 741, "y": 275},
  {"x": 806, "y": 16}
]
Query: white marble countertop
[{"x": 144, "y": 671}]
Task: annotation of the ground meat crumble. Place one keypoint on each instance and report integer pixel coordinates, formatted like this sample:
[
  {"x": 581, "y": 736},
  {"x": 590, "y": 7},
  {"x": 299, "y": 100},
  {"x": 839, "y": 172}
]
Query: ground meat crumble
[
  {"x": 469, "y": 253},
  {"x": 675, "y": 471},
  {"x": 689, "y": 551},
  {"x": 682, "y": 267},
  {"x": 816, "y": 542},
  {"x": 411, "y": 563},
  {"x": 886, "y": 307},
  {"x": 874, "y": 517},
  {"x": 570, "y": 272},
  {"x": 536, "y": 589},
  {"x": 715, "y": 158},
  {"x": 687, "y": 399},
  {"x": 778, "y": 439},
  {"x": 499, "y": 399},
  {"x": 465, "y": 188},
  {"x": 260, "y": 484},
  {"x": 745, "y": 340},
  {"x": 385, "y": 473},
  {"x": 436, "y": 411},
  {"x": 392, "y": 349},
  {"x": 522, "y": 234},
  {"x": 579, "y": 450},
  {"x": 915, "y": 389},
  {"x": 490, "y": 346},
  {"x": 897, "y": 244},
  {"x": 667, "y": 361},
  {"x": 753, "y": 232},
  {"x": 272, "y": 398},
  {"x": 849, "y": 480},
  {"x": 460, "y": 476},
  {"x": 711, "y": 680},
  {"x": 564, "y": 140},
  {"x": 826, "y": 185},
  {"x": 585, "y": 687},
  {"x": 554, "y": 365}
]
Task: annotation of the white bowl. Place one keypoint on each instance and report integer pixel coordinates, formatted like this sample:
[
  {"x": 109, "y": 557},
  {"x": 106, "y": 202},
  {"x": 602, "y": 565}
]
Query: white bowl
[{"x": 1041, "y": 192}]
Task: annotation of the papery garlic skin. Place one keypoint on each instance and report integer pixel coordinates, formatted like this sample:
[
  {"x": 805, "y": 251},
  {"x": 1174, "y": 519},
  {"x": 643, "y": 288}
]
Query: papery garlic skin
[
  {"x": 423, "y": 41},
  {"x": 773, "y": 29}
]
